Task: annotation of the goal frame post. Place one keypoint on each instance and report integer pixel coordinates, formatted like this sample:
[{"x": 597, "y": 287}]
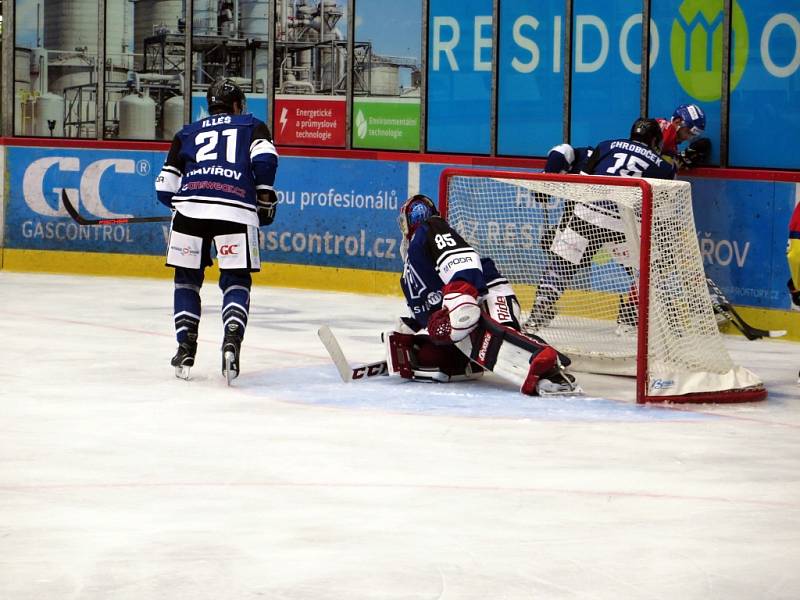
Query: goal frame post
[{"x": 642, "y": 358}]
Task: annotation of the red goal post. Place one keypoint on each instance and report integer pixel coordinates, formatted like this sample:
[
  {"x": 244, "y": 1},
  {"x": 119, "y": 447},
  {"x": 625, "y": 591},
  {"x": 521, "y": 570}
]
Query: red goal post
[{"x": 608, "y": 270}]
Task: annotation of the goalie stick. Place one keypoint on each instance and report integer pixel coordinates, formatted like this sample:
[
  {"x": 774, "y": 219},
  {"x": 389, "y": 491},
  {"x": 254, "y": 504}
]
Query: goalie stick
[
  {"x": 722, "y": 306},
  {"x": 346, "y": 372},
  {"x": 76, "y": 216}
]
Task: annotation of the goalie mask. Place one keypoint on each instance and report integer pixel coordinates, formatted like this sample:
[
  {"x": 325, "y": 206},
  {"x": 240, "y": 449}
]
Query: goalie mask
[
  {"x": 414, "y": 212},
  {"x": 648, "y": 131},
  {"x": 222, "y": 94},
  {"x": 692, "y": 117}
]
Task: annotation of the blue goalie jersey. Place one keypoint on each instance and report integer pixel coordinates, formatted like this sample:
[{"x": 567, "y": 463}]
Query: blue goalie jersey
[
  {"x": 436, "y": 256},
  {"x": 216, "y": 165}
]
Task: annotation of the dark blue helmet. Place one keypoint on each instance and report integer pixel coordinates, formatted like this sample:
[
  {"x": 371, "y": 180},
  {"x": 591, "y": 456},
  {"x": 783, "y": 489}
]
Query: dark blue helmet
[
  {"x": 222, "y": 94},
  {"x": 648, "y": 131},
  {"x": 692, "y": 116},
  {"x": 414, "y": 212}
]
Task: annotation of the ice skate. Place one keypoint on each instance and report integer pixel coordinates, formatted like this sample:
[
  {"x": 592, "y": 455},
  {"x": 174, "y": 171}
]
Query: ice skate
[
  {"x": 540, "y": 316},
  {"x": 184, "y": 359},
  {"x": 231, "y": 346},
  {"x": 558, "y": 383}
]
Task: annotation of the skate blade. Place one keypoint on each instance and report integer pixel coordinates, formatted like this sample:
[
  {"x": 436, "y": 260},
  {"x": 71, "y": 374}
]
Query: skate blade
[
  {"x": 182, "y": 372},
  {"x": 230, "y": 372},
  {"x": 545, "y": 387}
]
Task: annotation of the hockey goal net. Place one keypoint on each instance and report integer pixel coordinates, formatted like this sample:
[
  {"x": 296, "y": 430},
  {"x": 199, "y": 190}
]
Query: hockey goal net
[{"x": 607, "y": 270}]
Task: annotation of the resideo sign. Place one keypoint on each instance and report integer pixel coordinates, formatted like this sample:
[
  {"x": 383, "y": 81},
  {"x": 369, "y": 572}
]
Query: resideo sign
[{"x": 693, "y": 38}]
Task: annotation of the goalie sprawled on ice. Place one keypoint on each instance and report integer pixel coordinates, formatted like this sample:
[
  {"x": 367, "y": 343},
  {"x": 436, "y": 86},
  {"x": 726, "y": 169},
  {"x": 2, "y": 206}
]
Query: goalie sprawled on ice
[{"x": 465, "y": 316}]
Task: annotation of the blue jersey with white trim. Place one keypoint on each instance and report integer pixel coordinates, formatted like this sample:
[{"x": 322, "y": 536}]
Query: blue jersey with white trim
[
  {"x": 216, "y": 165},
  {"x": 629, "y": 158},
  {"x": 437, "y": 255}
]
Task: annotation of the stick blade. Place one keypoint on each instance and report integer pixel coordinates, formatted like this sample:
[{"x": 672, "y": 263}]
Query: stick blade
[{"x": 335, "y": 351}]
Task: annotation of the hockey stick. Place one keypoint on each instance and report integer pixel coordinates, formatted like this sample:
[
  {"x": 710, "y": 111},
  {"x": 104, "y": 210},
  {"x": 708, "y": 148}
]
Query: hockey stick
[
  {"x": 722, "y": 306},
  {"x": 120, "y": 221},
  {"x": 346, "y": 372}
]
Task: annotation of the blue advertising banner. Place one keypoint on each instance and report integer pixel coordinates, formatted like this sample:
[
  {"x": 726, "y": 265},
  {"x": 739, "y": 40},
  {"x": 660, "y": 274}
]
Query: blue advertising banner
[
  {"x": 256, "y": 106},
  {"x": 607, "y": 41},
  {"x": 102, "y": 184},
  {"x": 742, "y": 228},
  {"x": 530, "y": 94},
  {"x": 330, "y": 213},
  {"x": 765, "y": 100},
  {"x": 459, "y": 75},
  {"x": 340, "y": 213},
  {"x": 686, "y": 60}
]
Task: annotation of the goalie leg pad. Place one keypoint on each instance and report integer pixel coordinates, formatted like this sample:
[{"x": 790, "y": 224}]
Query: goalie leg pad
[
  {"x": 512, "y": 356},
  {"x": 541, "y": 364},
  {"x": 416, "y": 357},
  {"x": 399, "y": 353}
]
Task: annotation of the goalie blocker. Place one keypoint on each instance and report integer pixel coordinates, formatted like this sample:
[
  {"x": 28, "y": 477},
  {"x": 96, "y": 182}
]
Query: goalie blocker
[{"x": 535, "y": 367}]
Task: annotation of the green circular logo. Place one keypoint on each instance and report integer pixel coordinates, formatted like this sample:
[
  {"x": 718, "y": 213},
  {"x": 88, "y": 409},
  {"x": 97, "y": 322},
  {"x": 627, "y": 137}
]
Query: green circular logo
[{"x": 696, "y": 47}]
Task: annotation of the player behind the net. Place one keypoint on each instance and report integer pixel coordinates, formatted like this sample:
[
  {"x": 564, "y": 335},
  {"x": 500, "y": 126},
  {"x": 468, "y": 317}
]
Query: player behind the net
[
  {"x": 218, "y": 178},
  {"x": 586, "y": 228},
  {"x": 464, "y": 313},
  {"x": 686, "y": 125}
]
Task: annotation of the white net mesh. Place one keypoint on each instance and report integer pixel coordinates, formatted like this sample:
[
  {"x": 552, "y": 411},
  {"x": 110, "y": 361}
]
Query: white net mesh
[{"x": 571, "y": 250}]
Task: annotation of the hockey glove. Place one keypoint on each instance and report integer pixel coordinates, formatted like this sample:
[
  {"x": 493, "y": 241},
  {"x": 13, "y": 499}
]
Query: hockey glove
[
  {"x": 697, "y": 154},
  {"x": 267, "y": 205},
  {"x": 458, "y": 316},
  {"x": 794, "y": 292}
]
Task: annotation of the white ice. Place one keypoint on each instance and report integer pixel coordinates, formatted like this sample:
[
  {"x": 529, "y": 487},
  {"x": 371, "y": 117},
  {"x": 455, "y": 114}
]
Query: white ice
[{"x": 119, "y": 481}]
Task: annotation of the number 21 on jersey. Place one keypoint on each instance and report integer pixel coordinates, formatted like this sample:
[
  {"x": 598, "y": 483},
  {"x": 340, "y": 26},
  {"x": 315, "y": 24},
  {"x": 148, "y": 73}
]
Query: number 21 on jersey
[{"x": 208, "y": 140}]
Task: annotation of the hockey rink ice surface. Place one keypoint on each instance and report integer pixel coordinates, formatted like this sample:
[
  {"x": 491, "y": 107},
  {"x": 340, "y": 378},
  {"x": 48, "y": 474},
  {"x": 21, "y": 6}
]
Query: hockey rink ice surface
[{"x": 119, "y": 481}]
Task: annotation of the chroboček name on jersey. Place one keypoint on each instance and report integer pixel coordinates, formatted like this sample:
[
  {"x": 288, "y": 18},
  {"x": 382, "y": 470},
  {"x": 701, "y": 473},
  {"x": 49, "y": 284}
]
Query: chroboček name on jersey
[{"x": 637, "y": 149}]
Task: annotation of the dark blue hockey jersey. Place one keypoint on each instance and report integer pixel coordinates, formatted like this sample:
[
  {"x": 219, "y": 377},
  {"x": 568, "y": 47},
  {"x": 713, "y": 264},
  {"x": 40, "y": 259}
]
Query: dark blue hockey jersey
[
  {"x": 565, "y": 158},
  {"x": 437, "y": 255},
  {"x": 216, "y": 165},
  {"x": 629, "y": 158}
]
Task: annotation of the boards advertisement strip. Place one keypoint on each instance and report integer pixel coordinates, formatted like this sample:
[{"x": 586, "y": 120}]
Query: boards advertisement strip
[{"x": 341, "y": 213}]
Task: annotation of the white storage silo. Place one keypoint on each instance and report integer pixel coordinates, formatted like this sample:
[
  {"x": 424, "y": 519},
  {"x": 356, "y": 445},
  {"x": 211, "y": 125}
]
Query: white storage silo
[
  {"x": 70, "y": 37},
  {"x": 137, "y": 117},
  {"x": 172, "y": 117},
  {"x": 384, "y": 80},
  {"x": 205, "y": 17},
  {"x": 253, "y": 17},
  {"x": 48, "y": 109},
  {"x": 151, "y": 15}
]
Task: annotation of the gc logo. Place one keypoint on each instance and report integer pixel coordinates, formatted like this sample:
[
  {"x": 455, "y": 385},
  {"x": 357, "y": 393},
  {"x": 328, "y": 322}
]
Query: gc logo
[
  {"x": 696, "y": 47},
  {"x": 40, "y": 200},
  {"x": 228, "y": 249}
]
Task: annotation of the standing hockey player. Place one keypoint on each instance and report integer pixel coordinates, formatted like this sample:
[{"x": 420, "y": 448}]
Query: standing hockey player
[
  {"x": 218, "y": 180},
  {"x": 451, "y": 290},
  {"x": 686, "y": 125},
  {"x": 586, "y": 228}
]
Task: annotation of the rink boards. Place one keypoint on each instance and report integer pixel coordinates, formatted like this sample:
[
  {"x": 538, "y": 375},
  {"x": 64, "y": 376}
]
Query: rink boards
[{"x": 336, "y": 225}]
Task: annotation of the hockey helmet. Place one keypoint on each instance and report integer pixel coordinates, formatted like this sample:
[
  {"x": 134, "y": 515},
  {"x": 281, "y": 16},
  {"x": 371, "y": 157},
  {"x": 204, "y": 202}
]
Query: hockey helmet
[
  {"x": 414, "y": 212},
  {"x": 692, "y": 117},
  {"x": 222, "y": 94},
  {"x": 647, "y": 131}
]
